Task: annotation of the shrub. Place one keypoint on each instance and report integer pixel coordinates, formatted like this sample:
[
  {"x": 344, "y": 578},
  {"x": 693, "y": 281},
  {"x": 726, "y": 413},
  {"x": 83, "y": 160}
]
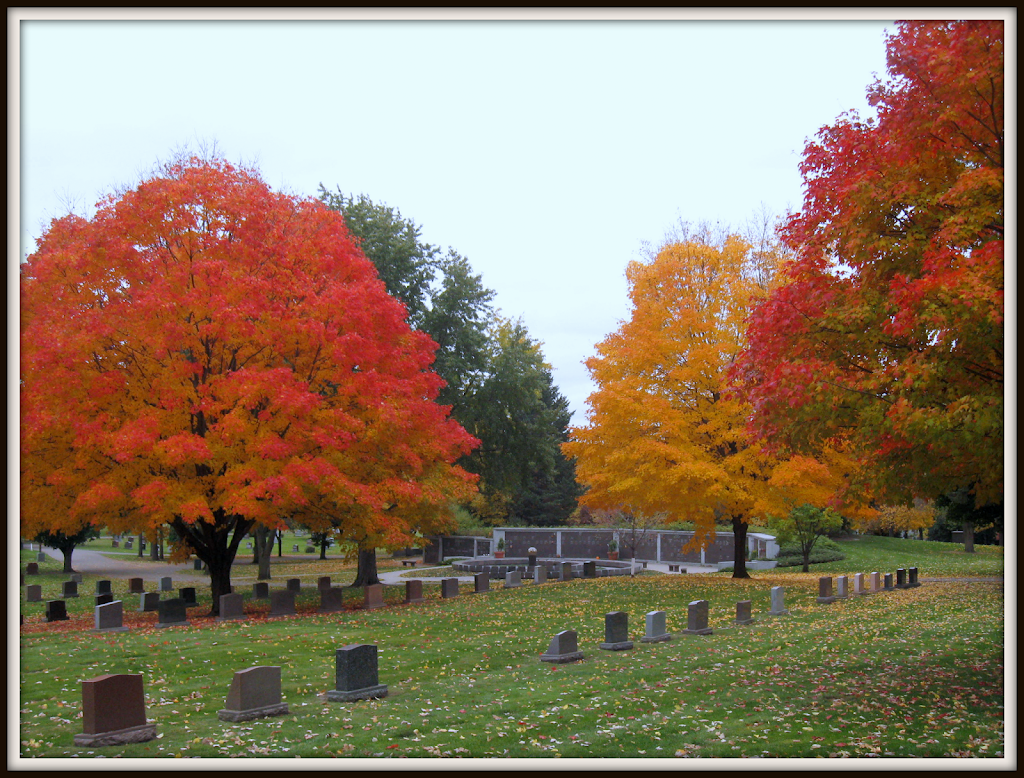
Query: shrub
[{"x": 825, "y": 550}]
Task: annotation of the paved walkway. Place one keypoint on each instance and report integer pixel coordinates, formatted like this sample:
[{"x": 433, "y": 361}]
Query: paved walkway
[
  {"x": 84, "y": 560},
  {"x": 401, "y": 576}
]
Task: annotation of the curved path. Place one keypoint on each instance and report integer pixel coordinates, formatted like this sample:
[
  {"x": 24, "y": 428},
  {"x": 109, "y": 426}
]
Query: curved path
[{"x": 84, "y": 560}]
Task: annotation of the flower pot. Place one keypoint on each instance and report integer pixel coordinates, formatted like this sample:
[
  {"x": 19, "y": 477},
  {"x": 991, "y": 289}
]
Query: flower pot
[
  {"x": 613, "y": 554},
  {"x": 499, "y": 554}
]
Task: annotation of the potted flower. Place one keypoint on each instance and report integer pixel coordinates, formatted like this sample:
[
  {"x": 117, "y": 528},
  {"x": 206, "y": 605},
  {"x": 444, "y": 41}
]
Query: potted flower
[
  {"x": 613, "y": 550},
  {"x": 500, "y": 553}
]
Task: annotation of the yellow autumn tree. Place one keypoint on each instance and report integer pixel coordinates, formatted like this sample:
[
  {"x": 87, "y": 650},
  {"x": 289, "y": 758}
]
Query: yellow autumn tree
[{"x": 663, "y": 433}]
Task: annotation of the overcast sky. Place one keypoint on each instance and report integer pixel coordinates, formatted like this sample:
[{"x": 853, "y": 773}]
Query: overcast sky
[{"x": 546, "y": 152}]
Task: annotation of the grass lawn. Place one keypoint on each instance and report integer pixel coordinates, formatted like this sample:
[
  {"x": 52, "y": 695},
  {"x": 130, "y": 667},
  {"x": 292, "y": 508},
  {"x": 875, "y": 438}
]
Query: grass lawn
[{"x": 911, "y": 673}]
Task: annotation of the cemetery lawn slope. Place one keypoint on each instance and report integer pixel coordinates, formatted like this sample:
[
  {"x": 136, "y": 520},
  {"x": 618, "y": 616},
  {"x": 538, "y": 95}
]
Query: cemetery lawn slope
[{"x": 908, "y": 673}]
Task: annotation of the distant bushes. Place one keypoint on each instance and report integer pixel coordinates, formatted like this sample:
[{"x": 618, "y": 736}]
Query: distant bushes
[{"x": 825, "y": 550}]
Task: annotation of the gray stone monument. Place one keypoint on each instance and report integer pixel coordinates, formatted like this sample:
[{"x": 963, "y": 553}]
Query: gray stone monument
[
  {"x": 135, "y": 586},
  {"x": 103, "y": 599},
  {"x": 697, "y": 618},
  {"x": 901, "y": 578},
  {"x": 332, "y": 599},
  {"x": 481, "y": 583},
  {"x": 172, "y": 613},
  {"x": 56, "y": 610},
  {"x": 825, "y": 596},
  {"x": 355, "y": 676},
  {"x": 166, "y": 584},
  {"x": 912, "y": 575},
  {"x": 540, "y": 574},
  {"x": 231, "y": 608},
  {"x": 69, "y": 589},
  {"x": 188, "y": 594},
  {"x": 887, "y": 586},
  {"x": 34, "y": 593},
  {"x": 562, "y": 649},
  {"x": 261, "y": 590},
  {"x": 254, "y": 694},
  {"x": 842, "y": 587},
  {"x": 109, "y": 617},
  {"x": 449, "y": 587},
  {"x": 413, "y": 592},
  {"x": 32, "y": 568},
  {"x": 654, "y": 631},
  {"x": 373, "y": 596},
  {"x": 41, "y": 556},
  {"x": 778, "y": 602},
  {"x": 616, "y": 632},
  {"x": 858, "y": 585},
  {"x": 197, "y": 564},
  {"x": 531, "y": 556},
  {"x": 323, "y": 582},
  {"x": 104, "y": 587},
  {"x": 512, "y": 579},
  {"x": 76, "y": 577},
  {"x": 149, "y": 601},
  {"x": 114, "y": 712},
  {"x": 282, "y": 603},
  {"x": 566, "y": 574},
  {"x": 294, "y": 585},
  {"x": 743, "y": 612},
  {"x": 590, "y": 569}
]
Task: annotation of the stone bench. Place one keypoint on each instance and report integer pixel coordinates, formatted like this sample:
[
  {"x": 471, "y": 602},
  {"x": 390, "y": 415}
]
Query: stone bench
[{"x": 409, "y": 562}]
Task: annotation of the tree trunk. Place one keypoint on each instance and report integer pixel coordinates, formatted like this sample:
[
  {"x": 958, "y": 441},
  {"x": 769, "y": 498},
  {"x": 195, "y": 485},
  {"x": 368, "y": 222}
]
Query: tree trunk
[
  {"x": 264, "y": 547},
  {"x": 142, "y": 538},
  {"x": 323, "y": 550},
  {"x": 739, "y": 528},
  {"x": 216, "y": 545},
  {"x": 67, "y": 552},
  {"x": 366, "y": 573},
  {"x": 280, "y": 543},
  {"x": 969, "y": 537}
]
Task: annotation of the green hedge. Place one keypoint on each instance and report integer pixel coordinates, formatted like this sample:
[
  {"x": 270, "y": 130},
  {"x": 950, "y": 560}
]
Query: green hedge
[{"x": 825, "y": 550}]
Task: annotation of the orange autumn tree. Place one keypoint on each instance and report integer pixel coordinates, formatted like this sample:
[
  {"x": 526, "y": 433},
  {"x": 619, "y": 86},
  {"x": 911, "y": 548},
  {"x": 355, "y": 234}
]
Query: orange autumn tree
[
  {"x": 208, "y": 354},
  {"x": 663, "y": 434}
]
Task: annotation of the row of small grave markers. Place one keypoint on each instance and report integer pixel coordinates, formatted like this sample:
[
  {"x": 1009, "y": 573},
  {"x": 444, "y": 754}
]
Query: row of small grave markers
[{"x": 114, "y": 706}]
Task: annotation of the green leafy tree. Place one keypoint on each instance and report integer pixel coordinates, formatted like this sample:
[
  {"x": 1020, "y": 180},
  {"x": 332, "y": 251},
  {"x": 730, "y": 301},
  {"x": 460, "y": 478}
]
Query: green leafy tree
[
  {"x": 962, "y": 512},
  {"x": 803, "y": 526},
  {"x": 67, "y": 544}
]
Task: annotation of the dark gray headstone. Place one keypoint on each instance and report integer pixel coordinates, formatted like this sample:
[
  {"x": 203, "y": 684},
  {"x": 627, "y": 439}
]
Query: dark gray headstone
[
  {"x": 531, "y": 555},
  {"x": 282, "y": 603},
  {"x": 323, "y": 582},
  {"x": 332, "y": 599},
  {"x": 355, "y": 676},
  {"x": 481, "y": 583},
  {"x": 254, "y": 694},
  {"x": 697, "y": 618},
  {"x": 373, "y": 596},
  {"x": 114, "y": 712},
  {"x": 109, "y": 617},
  {"x": 56, "y": 610},
  {"x": 172, "y": 613},
  {"x": 104, "y": 587},
  {"x": 261, "y": 590},
  {"x": 566, "y": 571},
  {"x": 197, "y": 564},
  {"x": 166, "y": 584},
  {"x": 888, "y": 582},
  {"x": 743, "y": 612},
  {"x": 779, "y": 602},
  {"x": 69, "y": 589},
  {"x": 562, "y": 649},
  {"x": 294, "y": 585},
  {"x": 231, "y": 607},
  {"x": 103, "y": 599},
  {"x": 825, "y": 596},
  {"x": 912, "y": 575},
  {"x": 295, "y": 547},
  {"x": 901, "y": 578},
  {"x": 76, "y": 577},
  {"x": 616, "y": 632},
  {"x": 149, "y": 601},
  {"x": 32, "y": 568},
  {"x": 413, "y": 592},
  {"x": 136, "y": 586},
  {"x": 188, "y": 594},
  {"x": 655, "y": 631},
  {"x": 590, "y": 569},
  {"x": 41, "y": 556},
  {"x": 449, "y": 587},
  {"x": 34, "y": 593}
]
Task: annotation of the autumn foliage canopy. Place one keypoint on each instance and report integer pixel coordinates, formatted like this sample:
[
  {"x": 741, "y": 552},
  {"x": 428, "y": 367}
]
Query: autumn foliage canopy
[
  {"x": 209, "y": 354},
  {"x": 887, "y": 330}
]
